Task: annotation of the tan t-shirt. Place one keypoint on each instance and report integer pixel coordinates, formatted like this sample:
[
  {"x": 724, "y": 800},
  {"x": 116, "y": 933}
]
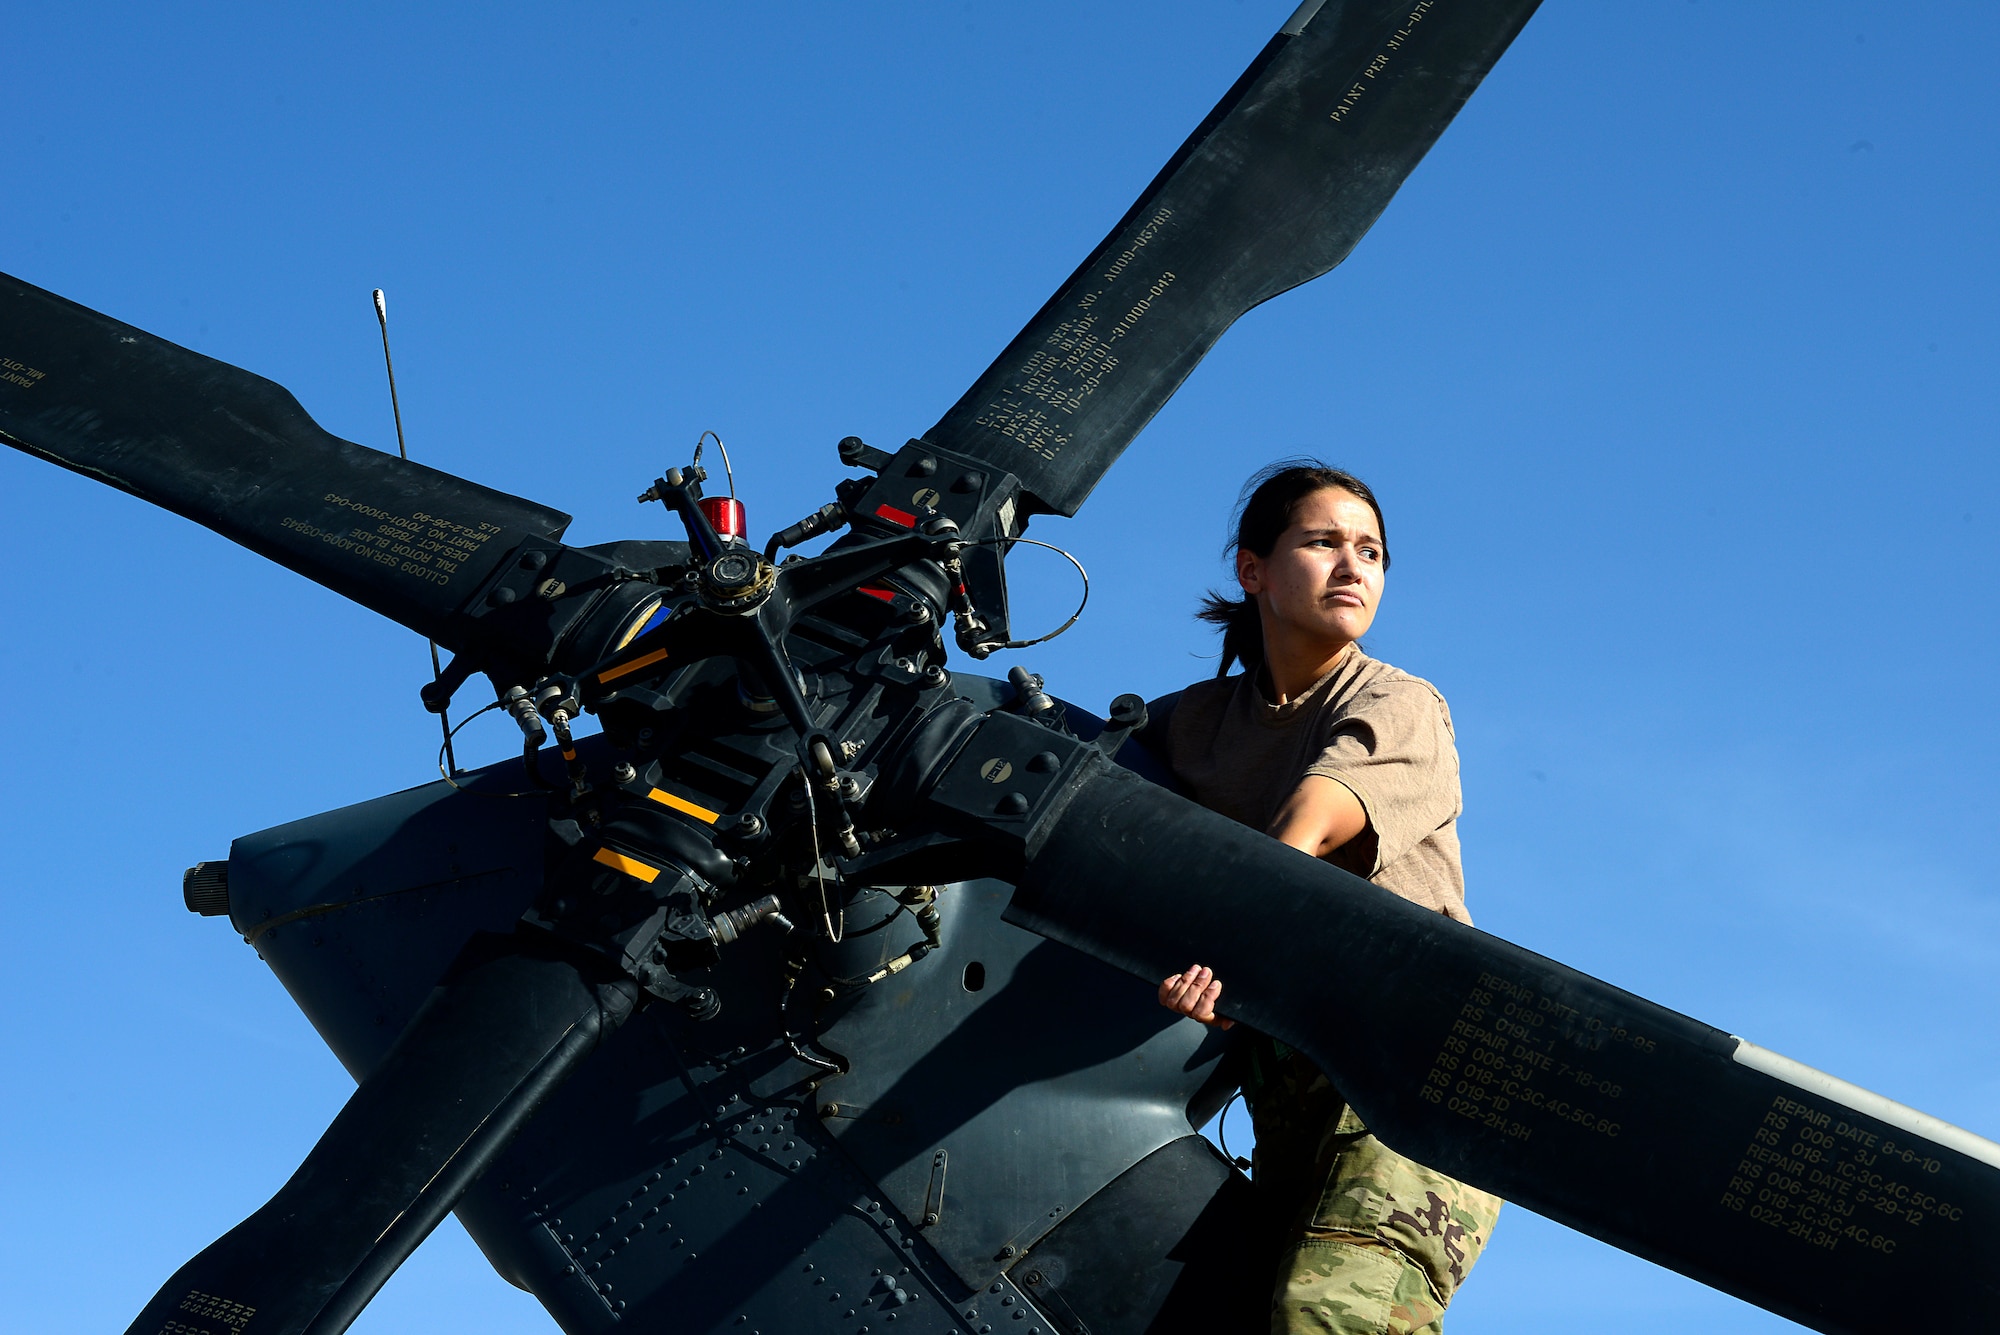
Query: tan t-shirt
[{"x": 1383, "y": 733}]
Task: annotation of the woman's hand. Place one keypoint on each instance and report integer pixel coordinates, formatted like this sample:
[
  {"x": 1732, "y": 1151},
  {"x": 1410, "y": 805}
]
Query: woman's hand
[{"x": 1194, "y": 994}]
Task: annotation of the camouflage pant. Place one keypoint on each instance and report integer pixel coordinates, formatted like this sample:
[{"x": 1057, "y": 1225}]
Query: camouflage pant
[{"x": 1378, "y": 1243}]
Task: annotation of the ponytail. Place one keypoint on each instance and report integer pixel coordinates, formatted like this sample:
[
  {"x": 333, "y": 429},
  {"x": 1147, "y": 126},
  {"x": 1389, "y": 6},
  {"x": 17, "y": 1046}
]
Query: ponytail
[{"x": 1242, "y": 628}]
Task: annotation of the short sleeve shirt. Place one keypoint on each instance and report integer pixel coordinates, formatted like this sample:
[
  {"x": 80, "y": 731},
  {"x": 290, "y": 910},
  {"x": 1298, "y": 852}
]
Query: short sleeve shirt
[{"x": 1382, "y": 733}]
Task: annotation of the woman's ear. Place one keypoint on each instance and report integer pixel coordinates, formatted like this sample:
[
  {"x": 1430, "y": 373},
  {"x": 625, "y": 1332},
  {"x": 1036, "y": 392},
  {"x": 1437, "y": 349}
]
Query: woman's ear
[{"x": 1247, "y": 573}]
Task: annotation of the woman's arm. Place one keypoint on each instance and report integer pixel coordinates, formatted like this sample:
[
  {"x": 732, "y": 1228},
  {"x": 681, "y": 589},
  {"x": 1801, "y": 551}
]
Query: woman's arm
[{"x": 1319, "y": 816}]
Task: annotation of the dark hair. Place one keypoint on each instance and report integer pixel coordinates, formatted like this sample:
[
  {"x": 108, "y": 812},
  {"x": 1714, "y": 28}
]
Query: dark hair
[{"x": 1265, "y": 508}]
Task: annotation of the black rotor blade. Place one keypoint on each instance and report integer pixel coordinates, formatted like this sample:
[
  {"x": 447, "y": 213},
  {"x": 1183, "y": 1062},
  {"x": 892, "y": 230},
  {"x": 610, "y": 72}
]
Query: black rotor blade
[
  {"x": 1272, "y": 189},
  {"x": 236, "y": 453},
  {"x": 1801, "y": 1193},
  {"x": 510, "y": 1022}
]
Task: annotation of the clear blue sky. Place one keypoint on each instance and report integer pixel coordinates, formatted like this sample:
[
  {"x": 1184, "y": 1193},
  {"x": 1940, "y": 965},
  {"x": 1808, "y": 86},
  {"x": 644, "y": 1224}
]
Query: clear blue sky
[{"x": 1673, "y": 364}]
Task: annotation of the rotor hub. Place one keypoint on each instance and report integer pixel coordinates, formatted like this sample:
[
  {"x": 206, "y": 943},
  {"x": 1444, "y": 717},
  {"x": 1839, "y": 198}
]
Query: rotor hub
[{"x": 737, "y": 581}]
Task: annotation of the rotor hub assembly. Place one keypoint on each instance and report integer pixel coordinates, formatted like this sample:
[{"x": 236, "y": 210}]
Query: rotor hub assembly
[{"x": 736, "y": 581}]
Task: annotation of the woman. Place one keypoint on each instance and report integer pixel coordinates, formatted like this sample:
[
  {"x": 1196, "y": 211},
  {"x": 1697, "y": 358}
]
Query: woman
[{"x": 1351, "y": 760}]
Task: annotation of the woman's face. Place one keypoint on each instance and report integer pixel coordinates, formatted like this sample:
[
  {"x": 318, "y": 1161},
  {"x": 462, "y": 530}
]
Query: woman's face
[{"x": 1322, "y": 582}]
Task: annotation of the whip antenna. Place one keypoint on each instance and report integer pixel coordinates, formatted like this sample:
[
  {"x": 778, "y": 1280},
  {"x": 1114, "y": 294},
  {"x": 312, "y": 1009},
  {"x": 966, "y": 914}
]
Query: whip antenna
[
  {"x": 382, "y": 318},
  {"x": 389, "y": 363}
]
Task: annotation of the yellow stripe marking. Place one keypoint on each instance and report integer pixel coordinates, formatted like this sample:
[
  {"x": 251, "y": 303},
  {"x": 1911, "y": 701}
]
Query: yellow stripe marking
[
  {"x": 639, "y": 621},
  {"x": 630, "y": 866},
  {"x": 627, "y": 669},
  {"x": 682, "y": 804}
]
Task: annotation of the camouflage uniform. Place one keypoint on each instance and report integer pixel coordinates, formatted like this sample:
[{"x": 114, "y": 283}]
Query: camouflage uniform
[{"x": 1379, "y": 1242}]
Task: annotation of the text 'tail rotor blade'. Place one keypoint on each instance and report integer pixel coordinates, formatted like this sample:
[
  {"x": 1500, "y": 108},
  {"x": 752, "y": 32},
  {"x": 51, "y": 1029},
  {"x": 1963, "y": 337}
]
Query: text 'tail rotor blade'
[
  {"x": 1272, "y": 189},
  {"x": 236, "y": 453},
  {"x": 1683, "y": 1144},
  {"x": 508, "y": 1025}
]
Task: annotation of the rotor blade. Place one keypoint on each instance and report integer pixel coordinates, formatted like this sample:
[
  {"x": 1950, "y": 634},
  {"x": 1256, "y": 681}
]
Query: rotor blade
[
  {"x": 1272, "y": 189},
  {"x": 509, "y": 1023},
  {"x": 1683, "y": 1144},
  {"x": 236, "y": 453}
]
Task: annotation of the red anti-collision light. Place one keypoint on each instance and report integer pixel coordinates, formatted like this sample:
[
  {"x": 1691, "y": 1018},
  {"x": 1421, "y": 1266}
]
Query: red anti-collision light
[{"x": 725, "y": 515}]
